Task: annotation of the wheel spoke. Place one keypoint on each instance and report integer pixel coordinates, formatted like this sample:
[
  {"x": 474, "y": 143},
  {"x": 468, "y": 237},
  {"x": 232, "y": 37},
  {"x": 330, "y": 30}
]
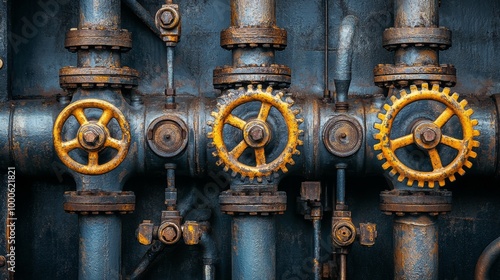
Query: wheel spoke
[
  {"x": 106, "y": 116},
  {"x": 239, "y": 149},
  {"x": 235, "y": 121},
  {"x": 435, "y": 159},
  {"x": 93, "y": 159},
  {"x": 80, "y": 116},
  {"x": 444, "y": 117},
  {"x": 70, "y": 145},
  {"x": 260, "y": 156},
  {"x": 401, "y": 142},
  {"x": 264, "y": 111},
  {"x": 452, "y": 142},
  {"x": 113, "y": 143}
]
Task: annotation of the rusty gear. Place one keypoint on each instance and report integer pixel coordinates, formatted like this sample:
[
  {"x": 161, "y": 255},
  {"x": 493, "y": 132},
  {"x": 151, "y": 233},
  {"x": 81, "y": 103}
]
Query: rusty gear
[
  {"x": 464, "y": 146},
  {"x": 230, "y": 158},
  {"x": 98, "y": 140}
]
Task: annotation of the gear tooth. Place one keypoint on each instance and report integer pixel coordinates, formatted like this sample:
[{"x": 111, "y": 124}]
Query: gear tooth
[
  {"x": 380, "y": 156},
  {"x": 377, "y": 147},
  {"x": 452, "y": 178},
  {"x": 431, "y": 183},
  {"x": 425, "y": 86},
  {"x": 284, "y": 169},
  {"x": 300, "y": 120},
  {"x": 211, "y": 144},
  {"x": 469, "y": 112},
  {"x": 210, "y": 123},
  {"x": 210, "y": 135},
  {"x": 296, "y": 152},
  {"x": 377, "y": 136},
  {"x": 219, "y": 162},
  {"x": 435, "y": 87},
  {"x": 468, "y": 164},
  {"x": 290, "y": 101},
  {"x": 446, "y": 91},
  {"x": 474, "y": 122},
  {"x": 214, "y": 154},
  {"x": 421, "y": 183},
  {"x": 296, "y": 111},
  {"x": 377, "y": 126},
  {"x": 250, "y": 178},
  {"x": 387, "y": 107},
  {"x": 259, "y": 87},
  {"x": 250, "y": 87},
  {"x": 279, "y": 94},
  {"x": 475, "y": 143},
  {"x": 393, "y": 99},
  {"x": 214, "y": 114},
  {"x": 410, "y": 182},
  {"x": 301, "y": 132},
  {"x": 393, "y": 172},
  {"x": 299, "y": 142},
  {"x": 291, "y": 162},
  {"x": 461, "y": 171},
  {"x": 269, "y": 89},
  {"x": 386, "y": 165},
  {"x": 226, "y": 168},
  {"x": 472, "y": 154},
  {"x": 442, "y": 183},
  {"x": 454, "y": 95},
  {"x": 476, "y": 133},
  {"x": 219, "y": 106},
  {"x": 463, "y": 103},
  {"x": 242, "y": 177},
  {"x": 234, "y": 173},
  {"x": 259, "y": 179},
  {"x": 401, "y": 177},
  {"x": 381, "y": 116},
  {"x": 221, "y": 100},
  {"x": 413, "y": 89}
]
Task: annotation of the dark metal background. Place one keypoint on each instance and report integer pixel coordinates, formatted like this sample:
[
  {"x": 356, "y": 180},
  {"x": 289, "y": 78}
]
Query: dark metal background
[{"x": 48, "y": 237}]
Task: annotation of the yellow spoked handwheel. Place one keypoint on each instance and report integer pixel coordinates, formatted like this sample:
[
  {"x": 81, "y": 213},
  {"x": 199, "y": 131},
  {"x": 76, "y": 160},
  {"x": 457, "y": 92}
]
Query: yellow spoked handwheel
[
  {"x": 427, "y": 135},
  {"x": 256, "y": 132},
  {"x": 93, "y": 136}
]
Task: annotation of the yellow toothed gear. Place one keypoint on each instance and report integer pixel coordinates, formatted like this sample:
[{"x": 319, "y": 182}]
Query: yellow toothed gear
[
  {"x": 269, "y": 99},
  {"x": 428, "y": 142}
]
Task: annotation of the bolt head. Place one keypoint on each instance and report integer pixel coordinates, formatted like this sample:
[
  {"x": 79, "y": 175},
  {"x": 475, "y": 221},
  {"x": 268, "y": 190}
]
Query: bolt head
[
  {"x": 169, "y": 234},
  {"x": 90, "y": 137},
  {"x": 167, "y": 17},
  {"x": 256, "y": 133},
  {"x": 428, "y": 135}
]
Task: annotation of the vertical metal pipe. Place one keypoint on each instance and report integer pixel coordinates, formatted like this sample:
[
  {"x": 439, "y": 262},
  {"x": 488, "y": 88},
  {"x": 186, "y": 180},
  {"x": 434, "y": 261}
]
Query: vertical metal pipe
[
  {"x": 100, "y": 243},
  {"x": 170, "y": 67},
  {"x": 415, "y": 247},
  {"x": 422, "y": 13},
  {"x": 99, "y": 14},
  {"x": 343, "y": 266},
  {"x": 317, "y": 249},
  {"x": 208, "y": 272},
  {"x": 253, "y": 247},
  {"x": 326, "y": 92},
  {"x": 341, "y": 183},
  {"x": 246, "y": 13},
  {"x": 343, "y": 64}
]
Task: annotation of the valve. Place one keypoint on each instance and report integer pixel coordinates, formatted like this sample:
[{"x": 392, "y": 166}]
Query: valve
[
  {"x": 256, "y": 132},
  {"x": 93, "y": 136},
  {"x": 427, "y": 135}
]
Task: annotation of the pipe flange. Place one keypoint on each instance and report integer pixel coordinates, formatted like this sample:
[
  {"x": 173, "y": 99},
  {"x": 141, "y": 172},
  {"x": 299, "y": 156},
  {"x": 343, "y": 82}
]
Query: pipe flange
[
  {"x": 252, "y": 203},
  {"x": 90, "y": 77},
  {"x": 387, "y": 75},
  {"x": 252, "y": 37},
  {"x": 231, "y": 77},
  {"x": 167, "y": 136},
  {"x": 403, "y": 37},
  {"x": 99, "y": 202},
  {"x": 83, "y": 39},
  {"x": 402, "y": 202},
  {"x": 342, "y": 135},
  {"x": 343, "y": 233}
]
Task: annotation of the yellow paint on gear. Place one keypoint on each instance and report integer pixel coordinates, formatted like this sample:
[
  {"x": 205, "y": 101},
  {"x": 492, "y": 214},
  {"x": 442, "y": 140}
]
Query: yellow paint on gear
[
  {"x": 464, "y": 146},
  {"x": 77, "y": 110},
  {"x": 224, "y": 116}
]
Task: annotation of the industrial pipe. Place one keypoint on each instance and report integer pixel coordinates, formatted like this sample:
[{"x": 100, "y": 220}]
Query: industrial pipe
[
  {"x": 253, "y": 247},
  {"x": 342, "y": 76},
  {"x": 487, "y": 259},
  {"x": 317, "y": 249},
  {"x": 209, "y": 256},
  {"x": 415, "y": 247},
  {"x": 143, "y": 15}
]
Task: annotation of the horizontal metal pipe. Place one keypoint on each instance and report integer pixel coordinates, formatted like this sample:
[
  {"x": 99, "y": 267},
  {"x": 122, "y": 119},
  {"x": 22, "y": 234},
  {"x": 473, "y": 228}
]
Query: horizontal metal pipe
[
  {"x": 487, "y": 259},
  {"x": 343, "y": 65}
]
